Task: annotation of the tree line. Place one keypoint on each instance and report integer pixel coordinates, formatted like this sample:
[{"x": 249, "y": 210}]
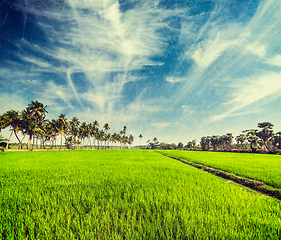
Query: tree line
[
  {"x": 261, "y": 140},
  {"x": 41, "y": 132}
]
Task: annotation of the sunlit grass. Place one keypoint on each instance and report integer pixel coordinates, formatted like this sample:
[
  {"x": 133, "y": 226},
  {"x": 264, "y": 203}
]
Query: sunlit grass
[
  {"x": 129, "y": 194},
  {"x": 261, "y": 167}
]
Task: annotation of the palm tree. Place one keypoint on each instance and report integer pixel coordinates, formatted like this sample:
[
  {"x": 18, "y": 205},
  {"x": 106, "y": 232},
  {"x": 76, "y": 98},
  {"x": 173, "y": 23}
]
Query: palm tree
[
  {"x": 56, "y": 130},
  {"x": 11, "y": 118},
  {"x": 94, "y": 134},
  {"x": 125, "y": 140},
  {"x": 47, "y": 132},
  {"x": 89, "y": 134},
  {"x": 95, "y": 124},
  {"x": 108, "y": 139},
  {"x": 37, "y": 112},
  {"x": 114, "y": 138},
  {"x": 131, "y": 139},
  {"x": 124, "y": 130},
  {"x": 121, "y": 135},
  {"x": 62, "y": 126},
  {"x": 1, "y": 125},
  {"x": 95, "y": 130},
  {"x": 27, "y": 127},
  {"x": 140, "y": 136},
  {"x": 100, "y": 137},
  {"x": 106, "y": 128},
  {"x": 83, "y": 131},
  {"x": 74, "y": 127}
]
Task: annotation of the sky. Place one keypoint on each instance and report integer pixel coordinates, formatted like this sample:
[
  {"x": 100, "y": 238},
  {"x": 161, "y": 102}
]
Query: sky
[{"x": 176, "y": 70}]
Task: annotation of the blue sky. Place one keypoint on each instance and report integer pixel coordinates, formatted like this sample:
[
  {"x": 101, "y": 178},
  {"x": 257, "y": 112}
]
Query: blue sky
[{"x": 175, "y": 70}]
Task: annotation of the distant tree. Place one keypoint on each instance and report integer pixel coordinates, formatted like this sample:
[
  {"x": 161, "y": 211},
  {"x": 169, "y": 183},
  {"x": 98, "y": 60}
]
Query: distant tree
[
  {"x": 204, "y": 143},
  {"x": 131, "y": 140},
  {"x": 163, "y": 145},
  {"x": 265, "y": 133},
  {"x": 252, "y": 139},
  {"x": 140, "y": 136},
  {"x": 153, "y": 144},
  {"x": 194, "y": 144},
  {"x": 208, "y": 142},
  {"x": 180, "y": 145},
  {"x": 173, "y": 146},
  {"x": 278, "y": 138},
  {"x": 215, "y": 141},
  {"x": 189, "y": 145},
  {"x": 240, "y": 140},
  {"x": 228, "y": 139},
  {"x": 274, "y": 142}
]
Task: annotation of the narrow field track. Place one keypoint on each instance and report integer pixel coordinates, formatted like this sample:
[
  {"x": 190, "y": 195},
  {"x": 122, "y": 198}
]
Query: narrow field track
[
  {"x": 264, "y": 168},
  {"x": 251, "y": 183}
]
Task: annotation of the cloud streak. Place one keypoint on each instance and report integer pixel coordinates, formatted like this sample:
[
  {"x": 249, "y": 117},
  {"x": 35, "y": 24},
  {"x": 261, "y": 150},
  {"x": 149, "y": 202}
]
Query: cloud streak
[{"x": 103, "y": 42}]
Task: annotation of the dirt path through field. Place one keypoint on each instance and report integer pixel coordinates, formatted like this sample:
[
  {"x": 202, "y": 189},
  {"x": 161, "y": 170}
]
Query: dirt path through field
[{"x": 250, "y": 183}]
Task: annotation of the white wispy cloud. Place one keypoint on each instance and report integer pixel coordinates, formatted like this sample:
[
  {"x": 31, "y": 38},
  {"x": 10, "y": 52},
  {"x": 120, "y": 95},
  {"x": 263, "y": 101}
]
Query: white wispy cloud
[
  {"x": 256, "y": 49},
  {"x": 39, "y": 62},
  {"x": 4, "y": 72},
  {"x": 174, "y": 79},
  {"x": 160, "y": 125},
  {"x": 104, "y": 43},
  {"x": 211, "y": 50},
  {"x": 246, "y": 92},
  {"x": 11, "y": 101},
  {"x": 187, "y": 109},
  {"x": 52, "y": 92},
  {"x": 219, "y": 48},
  {"x": 275, "y": 60}
]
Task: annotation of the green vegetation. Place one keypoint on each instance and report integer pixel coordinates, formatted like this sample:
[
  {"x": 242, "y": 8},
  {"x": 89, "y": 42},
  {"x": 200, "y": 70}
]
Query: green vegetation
[
  {"x": 261, "y": 140},
  {"x": 32, "y": 122},
  {"x": 125, "y": 194},
  {"x": 261, "y": 167}
]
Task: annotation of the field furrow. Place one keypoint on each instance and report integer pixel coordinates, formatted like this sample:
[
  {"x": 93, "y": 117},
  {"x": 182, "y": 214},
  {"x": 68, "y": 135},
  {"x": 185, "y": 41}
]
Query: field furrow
[
  {"x": 253, "y": 184},
  {"x": 265, "y": 168}
]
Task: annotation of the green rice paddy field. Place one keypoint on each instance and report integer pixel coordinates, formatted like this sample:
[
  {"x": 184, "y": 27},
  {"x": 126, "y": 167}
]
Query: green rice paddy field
[
  {"x": 125, "y": 194},
  {"x": 261, "y": 167}
]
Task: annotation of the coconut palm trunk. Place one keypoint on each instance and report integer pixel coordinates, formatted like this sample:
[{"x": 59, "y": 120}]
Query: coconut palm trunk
[
  {"x": 20, "y": 146},
  {"x": 29, "y": 142},
  {"x": 34, "y": 133},
  {"x": 60, "y": 142},
  {"x": 7, "y": 146}
]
